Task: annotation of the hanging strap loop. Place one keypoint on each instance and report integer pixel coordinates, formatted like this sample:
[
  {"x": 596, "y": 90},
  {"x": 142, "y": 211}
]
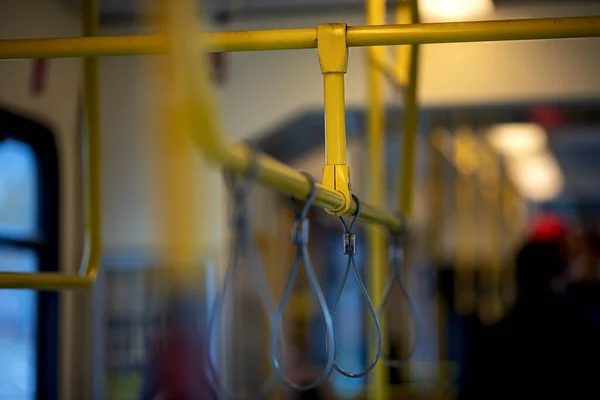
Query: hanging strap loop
[
  {"x": 239, "y": 188},
  {"x": 350, "y": 250},
  {"x": 300, "y": 233},
  {"x": 398, "y": 242}
]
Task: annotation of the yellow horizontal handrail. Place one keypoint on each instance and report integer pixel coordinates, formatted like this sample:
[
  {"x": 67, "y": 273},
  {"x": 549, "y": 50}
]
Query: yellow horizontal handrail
[
  {"x": 306, "y": 38},
  {"x": 93, "y": 235},
  {"x": 285, "y": 179},
  {"x": 476, "y": 31}
]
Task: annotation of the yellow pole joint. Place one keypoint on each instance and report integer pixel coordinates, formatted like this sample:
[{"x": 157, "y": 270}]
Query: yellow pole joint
[{"x": 333, "y": 58}]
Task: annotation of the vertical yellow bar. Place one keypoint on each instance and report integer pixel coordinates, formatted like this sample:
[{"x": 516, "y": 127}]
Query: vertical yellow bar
[
  {"x": 175, "y": 155},
  {"x": 378, "y": 379},
  {"x": 435, "y": 229},
  {"x": 514, "y": 217},
  {"x": 335, "y": 118},
  {"x": 408, "y": 62},
  {"x": 91, "y": 103},
  {"x": 466, "y": 164},
  {"x": 333, "y": 58},
  {"x": 490, "y": 306}
]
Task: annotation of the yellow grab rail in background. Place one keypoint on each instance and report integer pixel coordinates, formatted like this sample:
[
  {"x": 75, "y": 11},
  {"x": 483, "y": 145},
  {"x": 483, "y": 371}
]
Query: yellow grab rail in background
[
  {"x": 306, "y": 38},
  {"x": 378, "y": 379},
  {"x": 185, "y": 247},
  {"x": 490, "y": 303},
  {"x": 408, "y": 66},
  {"x": 93, "y": 226},
  {"x": 466, "y": 162}
]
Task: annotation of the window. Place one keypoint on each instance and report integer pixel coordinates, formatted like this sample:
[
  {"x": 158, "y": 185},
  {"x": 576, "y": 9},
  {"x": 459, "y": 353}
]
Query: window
[
  {"x": 18, "y": 180},
  {"x": 28, "y": 243}
]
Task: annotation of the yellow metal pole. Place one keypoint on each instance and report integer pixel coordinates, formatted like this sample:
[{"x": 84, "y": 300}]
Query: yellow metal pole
[
  {"x": 435, "y": 229},
  {"x": 408, "y": 60},
  {"x": 476, "y": 31},
  {"x": 178, "y": 170},
  {"x": 333, "y": 57},
  {"x": 335, "y": 119},
  {"x": 378, "y": 379},
  {"x": 92, "y": 111},
  {"x": 490, "y": 306},
  {"x": 93, "y": 221},
  {"x": 466, "y": 164},
  {"x": 514, "y": 217},
  {"x": 306, "y": 38}
]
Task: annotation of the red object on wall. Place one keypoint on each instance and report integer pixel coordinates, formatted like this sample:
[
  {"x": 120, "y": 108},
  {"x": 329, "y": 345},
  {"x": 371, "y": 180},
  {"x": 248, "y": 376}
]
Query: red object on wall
[
  {"x": 549, "y": 228},
  {"x": 39, "y": 74},
  {"x": 548, "y": 117},
  {"x": 218, "y": 67}
]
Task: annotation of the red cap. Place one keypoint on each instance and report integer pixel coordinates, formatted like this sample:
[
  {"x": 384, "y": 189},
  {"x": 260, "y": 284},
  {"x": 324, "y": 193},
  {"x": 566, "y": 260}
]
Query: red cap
[{"x": 548, "y": 228}]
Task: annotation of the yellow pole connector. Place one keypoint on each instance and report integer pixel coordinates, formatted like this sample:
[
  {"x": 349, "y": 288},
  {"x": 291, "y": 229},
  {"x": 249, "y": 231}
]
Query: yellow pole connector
[{"x": 333, "y": 57}]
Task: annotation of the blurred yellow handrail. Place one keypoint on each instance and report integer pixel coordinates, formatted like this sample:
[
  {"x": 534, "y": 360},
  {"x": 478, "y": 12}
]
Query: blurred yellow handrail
[
  {"x": 306, "y": 38},
  {"x": 93, "y": 225}
]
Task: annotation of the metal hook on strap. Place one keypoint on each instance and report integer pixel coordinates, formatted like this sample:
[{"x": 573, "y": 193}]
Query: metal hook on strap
[
  {"x": 397, "y": 259},
  {"x": 242, "y": 248},
  {"x": 350, "y": 250},
  {"x": 300, "y": 234}
]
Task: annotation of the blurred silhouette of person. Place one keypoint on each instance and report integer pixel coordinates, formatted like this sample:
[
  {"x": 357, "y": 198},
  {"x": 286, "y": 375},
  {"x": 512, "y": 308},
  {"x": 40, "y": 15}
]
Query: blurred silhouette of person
[
  {"x": 299, "y": 367},
  {"x": 583, "y": 296},
  {"x": 175, "y": 369},
  {"x": 537, "y": 350},
  {"x": 583, "y": 291}
]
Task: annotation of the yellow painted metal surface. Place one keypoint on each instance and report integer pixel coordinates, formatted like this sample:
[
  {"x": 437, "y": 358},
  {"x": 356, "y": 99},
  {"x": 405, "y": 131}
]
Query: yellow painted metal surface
[
  {"x": 490, "y": 305},
  {"x": 378, "y": 380},
  {"x": 306, "y": 38},
  {"x": 333, "y": 58},
  {"x": 176, "y": 160},
  {"x": 436, "y": 221},
  {"x": 287, "y": 180},
  {"x": 466, "y": 162},
  {"x": 477, "y": 31},
  {"x": 408, "y": 63},
  {"x": 93, "y": 228},
  {"x": 337, "y": 177},
  {"x": 407, "y": 60},
  {"x": 514, "y": 220},
  {"x": 335, "y": 119}
]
